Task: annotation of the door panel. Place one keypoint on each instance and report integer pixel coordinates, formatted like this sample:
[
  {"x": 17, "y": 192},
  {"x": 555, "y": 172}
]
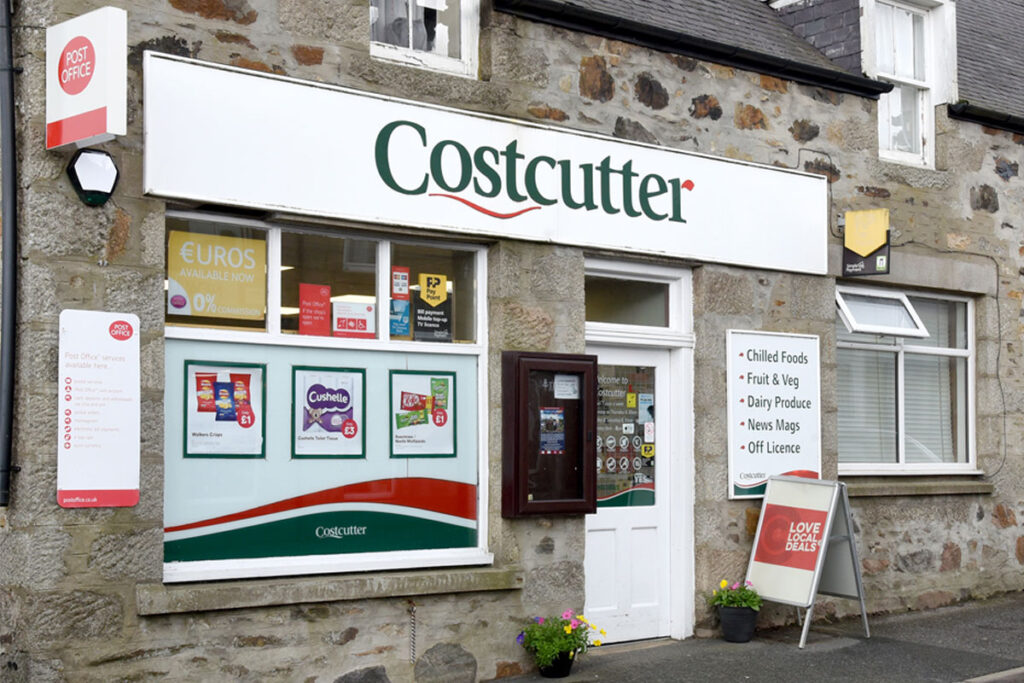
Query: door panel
[{"x": 627, "y": 540}]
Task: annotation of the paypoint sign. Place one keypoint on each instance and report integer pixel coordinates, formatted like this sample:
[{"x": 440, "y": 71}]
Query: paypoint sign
[{"x": 86, "y": 77}]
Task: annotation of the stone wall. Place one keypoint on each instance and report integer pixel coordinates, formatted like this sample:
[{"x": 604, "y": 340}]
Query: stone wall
[{"x": 73, "y": 582}]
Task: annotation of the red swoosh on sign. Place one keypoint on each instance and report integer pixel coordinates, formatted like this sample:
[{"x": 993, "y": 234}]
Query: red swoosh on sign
[{"x": 482, "y": 209}]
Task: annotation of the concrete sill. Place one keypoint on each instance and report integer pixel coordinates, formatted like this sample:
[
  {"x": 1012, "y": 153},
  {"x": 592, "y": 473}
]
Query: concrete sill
[
  {"x": 863, "y": 487},
  {"x": 156, "y": 598}
]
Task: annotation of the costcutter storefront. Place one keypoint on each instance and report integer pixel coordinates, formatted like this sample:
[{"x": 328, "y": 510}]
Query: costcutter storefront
[{"x": 331, "y": 404}]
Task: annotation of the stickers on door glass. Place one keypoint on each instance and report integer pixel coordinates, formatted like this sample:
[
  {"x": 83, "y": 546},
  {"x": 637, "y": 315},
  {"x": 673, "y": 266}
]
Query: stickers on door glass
[{"x": 625, "y": 429}]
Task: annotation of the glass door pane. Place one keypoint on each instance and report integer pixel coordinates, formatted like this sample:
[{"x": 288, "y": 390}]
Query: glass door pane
[{"x": 625, "y": 431}]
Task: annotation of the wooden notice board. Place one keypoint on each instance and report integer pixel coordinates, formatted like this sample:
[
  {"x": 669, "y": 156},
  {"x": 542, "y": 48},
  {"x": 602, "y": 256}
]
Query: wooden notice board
[{"x": 805, "y": 546}]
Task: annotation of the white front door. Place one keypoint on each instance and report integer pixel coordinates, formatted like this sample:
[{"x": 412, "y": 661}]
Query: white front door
[{"x": 628, "y": 556}]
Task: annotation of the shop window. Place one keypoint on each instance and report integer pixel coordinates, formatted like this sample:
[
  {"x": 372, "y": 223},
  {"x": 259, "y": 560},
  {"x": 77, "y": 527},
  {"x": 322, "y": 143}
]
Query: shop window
[
  {"x": 302, "y": 433},
  {"x": 335, "y": 273},
  {"x": 216, "y": 275},
  {"x": 905, "y": 403},
  {"x": 436, "y": 34},
  {"x": 910, "y": 45},
  {"x": 432, "y": 294}
]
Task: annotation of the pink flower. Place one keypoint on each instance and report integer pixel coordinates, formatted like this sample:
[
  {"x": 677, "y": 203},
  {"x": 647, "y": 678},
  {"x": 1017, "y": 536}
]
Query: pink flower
[
  {"x": 736, "y": 585},
  {"x": 750, "y": 583},
  {"x": 540, "y": 620},
  {"x": 567, "y": 614},
  {"x": 574, "y": 623}
]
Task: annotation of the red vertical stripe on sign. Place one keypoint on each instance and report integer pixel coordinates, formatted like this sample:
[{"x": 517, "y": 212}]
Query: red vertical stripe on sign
[
  {"x": 113, "y": 498},
  {"x": 76, "y": 128}
]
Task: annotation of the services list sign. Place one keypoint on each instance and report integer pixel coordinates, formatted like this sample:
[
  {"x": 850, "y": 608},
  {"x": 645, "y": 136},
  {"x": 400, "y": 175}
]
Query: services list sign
[
  {"x": 774, "y": 409},
  {"x": 98, "y": 397}
]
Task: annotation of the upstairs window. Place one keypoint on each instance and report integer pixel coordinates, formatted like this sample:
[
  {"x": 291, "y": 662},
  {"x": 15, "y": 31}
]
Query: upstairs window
[
  {"x": 899, "y": 45},
  {"x": 912, "y": 46},
  {"x": 433, "y": 34}
]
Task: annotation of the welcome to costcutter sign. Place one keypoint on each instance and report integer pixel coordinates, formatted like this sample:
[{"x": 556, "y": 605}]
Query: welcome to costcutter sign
[
  {"x": 216, "y": 134},
  {"x": 86, "y": 78}
]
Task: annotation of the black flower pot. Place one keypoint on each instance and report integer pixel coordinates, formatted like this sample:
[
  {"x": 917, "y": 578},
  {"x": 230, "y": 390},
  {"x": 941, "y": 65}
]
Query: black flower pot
[
  {"x": 737, "y": 623},
  {"x": 559, "y": 667}
]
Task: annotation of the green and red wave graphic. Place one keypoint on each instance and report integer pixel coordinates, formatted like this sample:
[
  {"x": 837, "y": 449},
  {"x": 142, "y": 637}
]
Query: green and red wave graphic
[
  {"x": 639, "y": 495},
  {"x": 376, "y": 516}
]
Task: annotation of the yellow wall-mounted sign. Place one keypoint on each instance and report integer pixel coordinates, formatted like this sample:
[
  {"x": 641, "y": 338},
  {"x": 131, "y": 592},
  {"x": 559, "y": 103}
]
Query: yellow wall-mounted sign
[{"x": 866, "y": 231}]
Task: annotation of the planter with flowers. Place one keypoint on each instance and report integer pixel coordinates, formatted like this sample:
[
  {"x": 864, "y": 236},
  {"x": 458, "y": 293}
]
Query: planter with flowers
[
  {"x": 738, "y": 606},
  {"x": 555, "y": 642}
]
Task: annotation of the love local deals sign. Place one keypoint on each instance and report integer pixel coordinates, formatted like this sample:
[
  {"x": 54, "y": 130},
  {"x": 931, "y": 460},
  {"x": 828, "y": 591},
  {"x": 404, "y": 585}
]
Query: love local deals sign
[
  {"x": 774, "y": 409},
  {"x": 791, "y": 538},
  {"x": 86, "y": 78}
]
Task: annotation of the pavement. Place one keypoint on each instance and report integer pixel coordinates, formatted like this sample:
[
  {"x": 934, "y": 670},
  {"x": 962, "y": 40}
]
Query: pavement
[{"x": 980, "y": 642}]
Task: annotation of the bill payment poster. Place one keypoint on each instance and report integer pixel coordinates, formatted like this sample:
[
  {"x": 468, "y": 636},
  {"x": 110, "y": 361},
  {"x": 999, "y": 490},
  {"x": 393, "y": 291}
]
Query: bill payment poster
[
  {"x": 224, "y": 410},
  {"x": 422, "y": 414},
  {"x": 329, "y": 412},
  {"x": 216, "y": 277}
]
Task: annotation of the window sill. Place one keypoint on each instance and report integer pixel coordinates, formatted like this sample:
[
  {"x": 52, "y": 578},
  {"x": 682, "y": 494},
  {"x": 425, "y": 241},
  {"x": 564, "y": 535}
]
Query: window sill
[
  {"x": 155, "y": 598},
  {"x": 866, "y": 487}
]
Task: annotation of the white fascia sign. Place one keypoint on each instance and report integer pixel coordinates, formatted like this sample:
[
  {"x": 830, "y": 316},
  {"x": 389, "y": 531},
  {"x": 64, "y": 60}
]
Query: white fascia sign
[
  {"x": 319, "y": 150},
  {"x": 86, "y": 78}
]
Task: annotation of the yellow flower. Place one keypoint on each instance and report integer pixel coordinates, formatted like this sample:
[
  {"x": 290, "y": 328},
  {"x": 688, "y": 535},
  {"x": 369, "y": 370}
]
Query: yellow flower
[
  {"x": 568, "y": 629},
  {"x": 597, "y": 643},
  {"x": 603, "y": 632},
  {"x": 714, "y": 592},
  {"x": 723, "y": 584}
]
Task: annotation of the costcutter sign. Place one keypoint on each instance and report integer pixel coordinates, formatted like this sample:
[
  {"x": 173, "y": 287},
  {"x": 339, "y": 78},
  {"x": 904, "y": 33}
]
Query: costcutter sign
[
  {"x": 86, "y": 77},
  {"x": 325, "y": 151}
]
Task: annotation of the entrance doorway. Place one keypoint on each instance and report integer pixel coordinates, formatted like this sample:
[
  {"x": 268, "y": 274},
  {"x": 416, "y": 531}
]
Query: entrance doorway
[{"x": 639, "y": 544}]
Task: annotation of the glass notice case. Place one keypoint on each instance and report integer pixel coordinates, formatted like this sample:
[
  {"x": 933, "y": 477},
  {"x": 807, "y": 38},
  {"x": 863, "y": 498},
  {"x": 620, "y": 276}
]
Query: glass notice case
[{"x": 549, "y": 456}]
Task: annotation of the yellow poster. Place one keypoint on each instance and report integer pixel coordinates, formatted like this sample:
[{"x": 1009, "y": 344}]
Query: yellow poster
[
  {"x": 216, "y": 277},
  {"x": 433, "y": 289}
]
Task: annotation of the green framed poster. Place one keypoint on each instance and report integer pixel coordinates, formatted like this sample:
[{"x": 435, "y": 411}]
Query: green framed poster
[
  {"x": 224, "y": 410},
  {"x": 328, "y": 412},
  {"x": 422, "y": 414}
]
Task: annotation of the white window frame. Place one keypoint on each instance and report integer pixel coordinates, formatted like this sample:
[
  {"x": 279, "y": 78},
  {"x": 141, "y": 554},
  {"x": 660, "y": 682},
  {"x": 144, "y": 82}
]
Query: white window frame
[
  {"x": 465, "y": 66},
  {"x": 208, "y": 570},
  {"x": 678, "y": 331},
  {"x": 902, "y": 346},
  {"x": 854, "y": 325},
  {"x": 939, "y": 85}
]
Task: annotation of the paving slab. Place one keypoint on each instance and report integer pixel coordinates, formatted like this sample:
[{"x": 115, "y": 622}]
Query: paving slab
[{"x": 976, "y": 640}]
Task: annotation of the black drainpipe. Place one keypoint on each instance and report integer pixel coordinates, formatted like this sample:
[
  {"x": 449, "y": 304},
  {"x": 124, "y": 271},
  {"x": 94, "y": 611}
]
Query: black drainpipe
[{"x": 8, "y": 167}]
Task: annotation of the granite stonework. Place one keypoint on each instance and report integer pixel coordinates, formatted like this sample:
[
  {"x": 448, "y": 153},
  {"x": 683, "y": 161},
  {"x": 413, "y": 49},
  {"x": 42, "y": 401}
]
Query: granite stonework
[{"x": 77, "y": 587}]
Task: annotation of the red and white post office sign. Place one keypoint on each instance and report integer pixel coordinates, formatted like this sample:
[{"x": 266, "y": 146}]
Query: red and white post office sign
[{"x": 86, "y": 78}]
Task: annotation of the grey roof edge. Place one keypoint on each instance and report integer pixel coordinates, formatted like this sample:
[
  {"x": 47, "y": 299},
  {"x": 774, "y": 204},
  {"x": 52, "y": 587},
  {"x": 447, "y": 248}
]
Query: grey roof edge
[
  {"x": 965, "y": 111},
  {"x": 577, "y": 18}
]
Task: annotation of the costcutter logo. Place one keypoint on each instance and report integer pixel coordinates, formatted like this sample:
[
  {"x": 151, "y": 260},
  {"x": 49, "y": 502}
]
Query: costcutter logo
[
  {"x": 489, "y": 173},
  {"x": 121, "y": 330},
  {"x": 340, "y": 532}
]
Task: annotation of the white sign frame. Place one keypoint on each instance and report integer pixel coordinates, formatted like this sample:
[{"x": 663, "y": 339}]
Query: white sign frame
[
  {"x": 326, "y": 141},
  {"x": 836, "y": 569},
  {"x": 762, "y": 430},
  {"x": 99, "y": 409}
]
